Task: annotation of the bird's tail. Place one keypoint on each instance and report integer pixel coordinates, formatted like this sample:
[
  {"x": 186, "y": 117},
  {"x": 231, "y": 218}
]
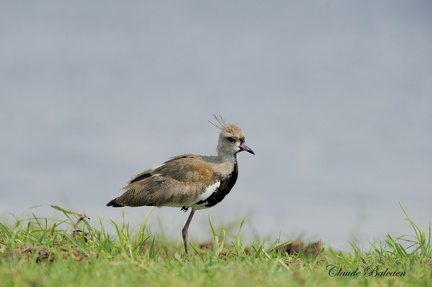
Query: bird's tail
[{"x": 114, "y": 203}]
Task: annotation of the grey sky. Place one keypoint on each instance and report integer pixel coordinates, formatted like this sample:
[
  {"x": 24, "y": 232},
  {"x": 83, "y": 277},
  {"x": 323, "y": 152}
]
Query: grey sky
[{"x": 335, "y": 98}]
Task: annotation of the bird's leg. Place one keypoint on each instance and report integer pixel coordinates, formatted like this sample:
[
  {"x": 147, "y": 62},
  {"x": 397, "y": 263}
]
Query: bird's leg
[{"x": 185, "y": 231}]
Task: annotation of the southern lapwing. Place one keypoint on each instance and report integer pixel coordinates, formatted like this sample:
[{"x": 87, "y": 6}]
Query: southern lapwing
[{"x": 189, "y": 180}]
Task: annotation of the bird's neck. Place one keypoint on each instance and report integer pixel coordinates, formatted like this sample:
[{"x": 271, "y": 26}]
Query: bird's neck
[
  {"x": 224, "y": 164},
  {"x": 227, "y": 157}
]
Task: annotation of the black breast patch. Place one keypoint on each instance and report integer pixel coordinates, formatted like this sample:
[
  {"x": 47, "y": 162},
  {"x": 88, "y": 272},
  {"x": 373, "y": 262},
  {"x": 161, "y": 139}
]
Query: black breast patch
[{"x": 225, "y": 187}]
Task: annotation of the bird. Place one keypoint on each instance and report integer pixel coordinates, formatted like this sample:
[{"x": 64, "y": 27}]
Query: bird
[{"x": 189, "y": 180}]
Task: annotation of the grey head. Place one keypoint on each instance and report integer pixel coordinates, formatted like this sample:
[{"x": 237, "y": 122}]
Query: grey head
[{"x": 231, "y": 139}]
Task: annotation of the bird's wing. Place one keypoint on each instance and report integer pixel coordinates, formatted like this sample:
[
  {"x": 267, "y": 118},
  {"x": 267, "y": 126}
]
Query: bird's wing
[
  {"x": 177, "y": 182},
  {"x": 183, "y": 168},
  {"x": 186, "y": 168}
]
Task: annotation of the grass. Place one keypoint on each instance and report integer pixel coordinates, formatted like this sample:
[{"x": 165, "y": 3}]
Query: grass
[{"x": 70, "y": 252}]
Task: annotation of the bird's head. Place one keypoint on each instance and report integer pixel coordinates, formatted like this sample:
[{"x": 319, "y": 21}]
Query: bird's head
[{"x": 231, "y": 139}]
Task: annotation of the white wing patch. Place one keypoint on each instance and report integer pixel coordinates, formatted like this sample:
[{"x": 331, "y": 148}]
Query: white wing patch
[{"x": 208, "y": 191}]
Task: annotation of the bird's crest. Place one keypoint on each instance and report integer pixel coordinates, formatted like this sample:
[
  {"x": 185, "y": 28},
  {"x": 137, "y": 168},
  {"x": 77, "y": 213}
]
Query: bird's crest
[
  {"x": 220, "y": 121},
  {"x": 227, "y": 129}
]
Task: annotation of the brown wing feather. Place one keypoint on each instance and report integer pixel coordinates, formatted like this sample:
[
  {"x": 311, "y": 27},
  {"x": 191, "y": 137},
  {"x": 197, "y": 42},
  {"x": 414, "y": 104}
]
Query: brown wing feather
[
  {"x": 186, "y": 168},
  {"x": 177, "y": 182}
]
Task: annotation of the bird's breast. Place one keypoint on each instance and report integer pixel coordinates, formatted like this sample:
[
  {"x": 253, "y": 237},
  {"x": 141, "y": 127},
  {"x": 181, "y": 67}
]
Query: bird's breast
[{"x": 216, "y": 193}]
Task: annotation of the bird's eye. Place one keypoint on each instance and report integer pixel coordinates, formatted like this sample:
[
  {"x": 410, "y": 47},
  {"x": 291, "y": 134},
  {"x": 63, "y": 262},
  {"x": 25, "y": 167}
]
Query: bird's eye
[{"x": 231, "y": 139}]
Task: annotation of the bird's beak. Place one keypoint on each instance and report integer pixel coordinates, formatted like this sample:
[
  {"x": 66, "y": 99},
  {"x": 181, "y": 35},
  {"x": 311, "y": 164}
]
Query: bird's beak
[{"x": 246, "y": 148}]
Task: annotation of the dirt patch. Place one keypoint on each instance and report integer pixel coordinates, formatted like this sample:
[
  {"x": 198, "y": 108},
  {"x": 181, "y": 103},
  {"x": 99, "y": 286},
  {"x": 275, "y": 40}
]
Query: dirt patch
[
  {"x": 42, "y": 253},
  {"x": 210, "y": 246},
  {"x": 29, "y": 251},
  {"x": 298, "y": 247}
]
